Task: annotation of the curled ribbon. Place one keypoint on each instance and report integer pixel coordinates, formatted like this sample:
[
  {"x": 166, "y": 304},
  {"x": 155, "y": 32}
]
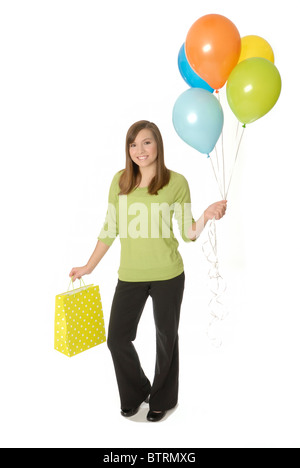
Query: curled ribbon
[{"x": 217, "y": 284}]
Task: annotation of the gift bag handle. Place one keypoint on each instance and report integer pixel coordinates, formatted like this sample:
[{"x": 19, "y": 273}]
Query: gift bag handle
[{"x": 73, "y": 283}]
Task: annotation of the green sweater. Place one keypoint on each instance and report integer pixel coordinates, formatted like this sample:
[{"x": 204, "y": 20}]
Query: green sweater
[{"x": 149, "y": 249}]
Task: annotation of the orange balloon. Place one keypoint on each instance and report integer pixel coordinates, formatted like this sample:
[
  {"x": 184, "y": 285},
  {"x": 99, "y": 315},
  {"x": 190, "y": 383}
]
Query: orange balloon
[{"x": 213, "y": 47}]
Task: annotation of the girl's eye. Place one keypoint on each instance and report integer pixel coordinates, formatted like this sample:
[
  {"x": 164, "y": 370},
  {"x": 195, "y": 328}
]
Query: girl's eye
[
  {"x": 147, "y": 142},
  {"x": 132, "y": 145}
]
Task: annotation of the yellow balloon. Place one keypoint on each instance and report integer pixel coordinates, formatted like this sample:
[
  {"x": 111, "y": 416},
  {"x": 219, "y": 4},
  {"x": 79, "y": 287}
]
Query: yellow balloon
[{"x": 255, "y": 46}]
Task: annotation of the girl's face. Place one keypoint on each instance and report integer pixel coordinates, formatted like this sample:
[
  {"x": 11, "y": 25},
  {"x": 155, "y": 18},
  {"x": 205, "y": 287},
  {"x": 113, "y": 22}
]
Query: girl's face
[{"x": 143, "y": 151}]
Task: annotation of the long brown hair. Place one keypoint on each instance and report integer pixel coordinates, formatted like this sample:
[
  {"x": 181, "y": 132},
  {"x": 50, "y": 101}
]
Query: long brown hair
[{"x": 131, "y": 176}]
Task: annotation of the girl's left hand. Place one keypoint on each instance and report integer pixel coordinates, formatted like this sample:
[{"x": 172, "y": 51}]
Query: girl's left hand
[{"x": 216, "y": 210}]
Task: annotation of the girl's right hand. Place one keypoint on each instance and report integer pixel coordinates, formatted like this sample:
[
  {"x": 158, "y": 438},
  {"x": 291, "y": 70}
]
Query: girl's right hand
[{"x": 78, "y": 272}]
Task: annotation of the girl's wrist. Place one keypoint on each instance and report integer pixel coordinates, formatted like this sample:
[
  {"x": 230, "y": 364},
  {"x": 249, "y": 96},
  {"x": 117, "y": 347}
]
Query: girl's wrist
[
  {"x": 88, "y": 269},
  {"x": 206, "y": 217}
]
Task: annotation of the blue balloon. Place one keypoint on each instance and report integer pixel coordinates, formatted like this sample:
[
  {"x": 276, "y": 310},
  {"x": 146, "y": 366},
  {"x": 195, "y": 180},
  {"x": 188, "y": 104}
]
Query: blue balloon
[
  {"x": 188, "y": 74},
  {"x": 198, "y": 119}
]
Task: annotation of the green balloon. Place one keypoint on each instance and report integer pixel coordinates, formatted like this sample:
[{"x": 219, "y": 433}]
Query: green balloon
[{"x": 253, "y": 88}]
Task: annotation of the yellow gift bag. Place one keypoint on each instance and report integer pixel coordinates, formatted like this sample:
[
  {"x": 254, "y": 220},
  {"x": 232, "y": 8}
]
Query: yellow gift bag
[{"x": 79, "y": 322}]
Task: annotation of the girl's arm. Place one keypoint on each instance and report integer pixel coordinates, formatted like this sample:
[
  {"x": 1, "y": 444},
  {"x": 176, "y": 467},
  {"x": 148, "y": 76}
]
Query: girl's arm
[
  {"x": 216, "y": 210},
  {"x": 99, "y": 252}
]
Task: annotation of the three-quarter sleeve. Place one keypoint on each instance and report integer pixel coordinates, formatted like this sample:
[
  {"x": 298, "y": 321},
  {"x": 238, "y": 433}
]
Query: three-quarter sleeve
[
  {"x": 182, "y": 209},
  {"x": 110, "y": 228}
]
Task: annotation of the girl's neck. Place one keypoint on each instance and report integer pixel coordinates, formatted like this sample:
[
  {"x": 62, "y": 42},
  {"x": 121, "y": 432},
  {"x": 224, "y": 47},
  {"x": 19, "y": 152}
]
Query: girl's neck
[{"x": 146, "y": 176}]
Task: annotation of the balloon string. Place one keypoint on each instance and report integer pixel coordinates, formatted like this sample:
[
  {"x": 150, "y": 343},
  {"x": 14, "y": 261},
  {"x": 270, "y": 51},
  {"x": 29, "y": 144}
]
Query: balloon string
[
  {"x": 222, "y": 141},
  {"x": 223, "y": 162},
  {"x": 217, "y": 284},
  {"x": 217, "y": 158},
  {"x": 220, "y": 188},
  {"x": 236, "y": 155}
]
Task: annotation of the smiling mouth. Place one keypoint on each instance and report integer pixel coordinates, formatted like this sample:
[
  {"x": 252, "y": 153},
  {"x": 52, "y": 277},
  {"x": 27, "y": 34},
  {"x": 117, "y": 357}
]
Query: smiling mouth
[{"x": 141, "y": 158}]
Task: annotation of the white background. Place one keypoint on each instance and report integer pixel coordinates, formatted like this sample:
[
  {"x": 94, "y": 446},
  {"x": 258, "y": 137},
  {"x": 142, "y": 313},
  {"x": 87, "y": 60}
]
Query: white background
[{"x": 74, "y": 76}]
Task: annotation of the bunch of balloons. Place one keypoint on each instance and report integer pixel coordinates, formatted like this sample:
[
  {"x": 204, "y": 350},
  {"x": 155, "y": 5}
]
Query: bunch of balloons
[{"x": 213, "y": 54}]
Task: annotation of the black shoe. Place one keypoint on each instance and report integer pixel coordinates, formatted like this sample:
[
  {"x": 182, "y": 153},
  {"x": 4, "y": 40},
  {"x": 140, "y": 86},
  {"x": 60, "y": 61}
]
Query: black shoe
[
  {"x": 131, "y": 412},
  {"x": 154, "y": 416}
]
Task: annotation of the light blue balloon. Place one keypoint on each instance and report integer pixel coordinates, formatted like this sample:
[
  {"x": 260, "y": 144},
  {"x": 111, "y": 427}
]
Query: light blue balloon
[
  {"x": 198, "y": 119},
  {"x": 188, "y": 74}
]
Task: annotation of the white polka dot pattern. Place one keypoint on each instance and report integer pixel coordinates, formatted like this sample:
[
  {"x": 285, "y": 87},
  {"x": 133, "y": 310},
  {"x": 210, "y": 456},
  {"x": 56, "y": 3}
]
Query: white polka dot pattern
[{"x": 79, "y": 322}]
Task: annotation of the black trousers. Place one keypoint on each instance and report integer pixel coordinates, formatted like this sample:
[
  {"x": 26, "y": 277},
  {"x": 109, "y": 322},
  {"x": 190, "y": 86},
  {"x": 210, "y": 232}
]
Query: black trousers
[{"x": 127, "y": 307}]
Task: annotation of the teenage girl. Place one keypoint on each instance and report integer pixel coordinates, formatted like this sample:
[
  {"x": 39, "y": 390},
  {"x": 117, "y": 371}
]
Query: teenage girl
[{"x": 143, "y": 198}]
